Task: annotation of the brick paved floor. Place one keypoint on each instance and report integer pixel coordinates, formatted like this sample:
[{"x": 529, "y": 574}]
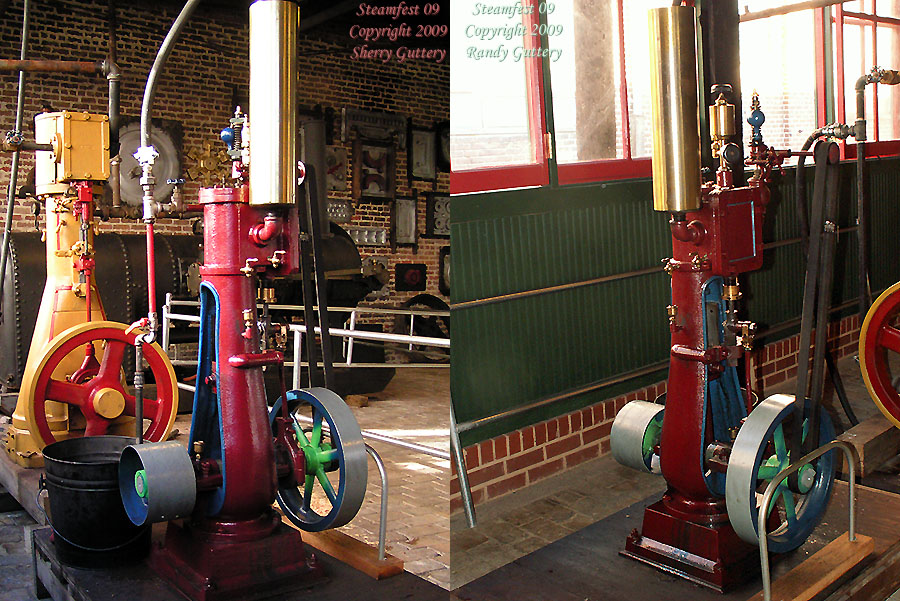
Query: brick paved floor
[
  {"x": 415, "y": 406},
  {"x": 517, "y": 524}
]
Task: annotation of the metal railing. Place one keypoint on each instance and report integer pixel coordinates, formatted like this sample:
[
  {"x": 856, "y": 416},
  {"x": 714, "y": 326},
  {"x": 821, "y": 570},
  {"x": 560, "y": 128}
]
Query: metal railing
[
  {"x": 349, "y": 334},
  {"x": 770, "y": 492}
]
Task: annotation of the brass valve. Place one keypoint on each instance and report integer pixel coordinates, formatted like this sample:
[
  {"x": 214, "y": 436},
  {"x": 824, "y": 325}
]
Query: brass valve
[
  {"x": 277, "y": 258},
  {"x": 672, "y": 312},
  {"x": 248, "y": 269},
  {"x": 747, "y": 334}
]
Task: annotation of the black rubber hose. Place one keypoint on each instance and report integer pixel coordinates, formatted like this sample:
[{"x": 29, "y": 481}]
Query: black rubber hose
[{"x": 803, "y": 218}]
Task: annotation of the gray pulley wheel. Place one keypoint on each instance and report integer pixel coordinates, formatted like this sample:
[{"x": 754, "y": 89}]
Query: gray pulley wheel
[
  {"x": 334, "y": 450},
  {"x": 157, "y": 482},
  {"x": 759, "y": 453},
  {"x": 635, "y": 435}
]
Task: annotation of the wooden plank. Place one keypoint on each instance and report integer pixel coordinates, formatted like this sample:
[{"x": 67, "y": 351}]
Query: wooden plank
[
  {"x": 352, "y": 552},
  {"x": 876, "y": 441},
  {"x": 822, "y": 570},
  {"x": 877, "y": 581}
]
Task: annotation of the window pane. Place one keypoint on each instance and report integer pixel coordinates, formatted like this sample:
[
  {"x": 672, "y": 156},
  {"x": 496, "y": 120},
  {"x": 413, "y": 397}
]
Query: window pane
[
  {"x": 585, "y": 80},
  {"x": 888, "y": 96},
  {"x": 858, "y": 61},
  {"x": 889, "y": 8},
  {"x": 784, "y": 75},
  {"x": 489, "y": 115},
  {"x": 637, "y": 75}
]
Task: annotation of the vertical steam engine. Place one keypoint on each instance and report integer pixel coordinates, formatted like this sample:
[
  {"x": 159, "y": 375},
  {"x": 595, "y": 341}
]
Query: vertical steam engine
[{"x": 712, "y": 450}]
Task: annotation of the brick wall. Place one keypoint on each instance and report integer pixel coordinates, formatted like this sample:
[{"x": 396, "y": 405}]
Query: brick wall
[
  {"x": 518, "y": 459},
  {"x": 197, "y": 87}
]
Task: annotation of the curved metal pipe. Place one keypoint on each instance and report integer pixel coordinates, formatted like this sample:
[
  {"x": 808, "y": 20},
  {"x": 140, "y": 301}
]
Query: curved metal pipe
[
  {"x": 14, "y": 169},
  {"x": 161, "y": 57},
  {"x": 146, "y": 161}
]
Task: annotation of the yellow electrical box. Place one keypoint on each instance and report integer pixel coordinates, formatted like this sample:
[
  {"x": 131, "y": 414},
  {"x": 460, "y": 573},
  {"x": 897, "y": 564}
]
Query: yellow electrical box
[{"x": 80, "y": 149}]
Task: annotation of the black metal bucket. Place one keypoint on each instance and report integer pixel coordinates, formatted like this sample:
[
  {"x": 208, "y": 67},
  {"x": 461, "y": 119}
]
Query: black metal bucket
[{"x": 90, "y": 526}]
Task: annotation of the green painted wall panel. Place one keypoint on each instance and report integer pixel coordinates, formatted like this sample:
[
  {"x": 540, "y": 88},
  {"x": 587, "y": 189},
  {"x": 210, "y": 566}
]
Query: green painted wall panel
[{"x": 512, "y": 353}]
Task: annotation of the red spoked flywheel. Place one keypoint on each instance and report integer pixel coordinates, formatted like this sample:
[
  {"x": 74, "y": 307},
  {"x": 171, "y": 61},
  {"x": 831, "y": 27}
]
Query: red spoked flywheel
[
  {"x": 879, "y": 337},
  {"x": 97, "y": 388}
]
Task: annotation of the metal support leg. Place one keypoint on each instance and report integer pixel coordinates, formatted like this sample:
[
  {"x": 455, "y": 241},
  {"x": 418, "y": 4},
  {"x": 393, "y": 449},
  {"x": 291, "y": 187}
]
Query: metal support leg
[
  {"x": 298, "y": 345},
  {"x": 770, "y": 492},
  {"x": 165, "y": 322},
  {"x": 350, "y": 339},
  {"x": 382, "y": 522},
  {"x": 465, "y": 491}
]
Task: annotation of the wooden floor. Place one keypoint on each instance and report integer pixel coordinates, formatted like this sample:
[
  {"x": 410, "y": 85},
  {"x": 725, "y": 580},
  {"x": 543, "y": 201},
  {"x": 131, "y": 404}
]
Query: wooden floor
[{"x": 586, "y": 565}]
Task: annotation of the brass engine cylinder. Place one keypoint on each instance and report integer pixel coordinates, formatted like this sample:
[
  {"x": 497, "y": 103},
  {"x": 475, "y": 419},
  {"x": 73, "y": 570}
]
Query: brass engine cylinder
[
  {"x": 674, "y": 109},
  {"x": 273, "y": 102}
]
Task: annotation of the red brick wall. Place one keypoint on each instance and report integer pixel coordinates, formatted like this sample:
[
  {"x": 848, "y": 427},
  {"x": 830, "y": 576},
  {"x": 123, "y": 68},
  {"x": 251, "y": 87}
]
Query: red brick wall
[
  {"x": 512, "y": 461},
  {"x": 196, "y": 90}
]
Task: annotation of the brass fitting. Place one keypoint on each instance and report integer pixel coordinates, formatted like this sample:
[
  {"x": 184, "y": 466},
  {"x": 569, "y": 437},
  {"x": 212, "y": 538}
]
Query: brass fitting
[
  {"x": 747, "y": 334},
  {"x": 672, "y": 312},
  {"x": 248, "y": 269},
  {"x": 277, "y": 258},
  {"x": 732, "y": 292}
]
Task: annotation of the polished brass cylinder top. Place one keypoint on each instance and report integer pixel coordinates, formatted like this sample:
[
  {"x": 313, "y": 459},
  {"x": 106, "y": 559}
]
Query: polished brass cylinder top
[
  {"x": 273, "y": 102},
  {"x": 675, "y": 109}
]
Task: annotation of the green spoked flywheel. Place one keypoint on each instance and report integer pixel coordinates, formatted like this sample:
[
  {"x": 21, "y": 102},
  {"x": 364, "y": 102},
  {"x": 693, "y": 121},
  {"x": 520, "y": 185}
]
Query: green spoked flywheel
[
  {"x": 336, "y": 468},
  {"x": 759, "y": 453}
]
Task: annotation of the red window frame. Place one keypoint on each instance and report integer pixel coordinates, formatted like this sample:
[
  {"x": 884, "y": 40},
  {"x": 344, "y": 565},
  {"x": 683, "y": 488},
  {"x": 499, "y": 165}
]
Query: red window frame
[
  {"x": 628, "y": 167},
  {"x": 875, "y": 147},
  {"x": 611, "y": 169},
  {"x": 536, "y": 173}
]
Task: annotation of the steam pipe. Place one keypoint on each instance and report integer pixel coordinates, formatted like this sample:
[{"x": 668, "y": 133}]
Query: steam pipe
[
  {"x": 161, "y": 57},
  {"x": 113, "y": 76},
  {"x": 52, "y": 66},
  {"x": 14, "y": 169},
  {"x": 862, "y": 233},
  {"x": 146, "y": 154}
]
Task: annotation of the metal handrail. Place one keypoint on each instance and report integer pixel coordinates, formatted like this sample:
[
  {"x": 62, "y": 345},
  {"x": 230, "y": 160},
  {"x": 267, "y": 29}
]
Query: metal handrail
[
  {"x": 849, "y": 453},
  {"x": 350, "y": 334},
  {"x": 382, "y": 520},
  {"x": 385, "y": 310}
]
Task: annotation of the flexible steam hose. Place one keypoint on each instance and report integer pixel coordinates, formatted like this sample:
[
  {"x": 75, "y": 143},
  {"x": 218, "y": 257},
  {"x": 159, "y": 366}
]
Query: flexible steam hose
[{"x": 147, "y": 105}]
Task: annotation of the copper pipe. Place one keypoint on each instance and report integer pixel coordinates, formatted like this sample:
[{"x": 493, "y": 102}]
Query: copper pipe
[{"x": 51, "y": 66}]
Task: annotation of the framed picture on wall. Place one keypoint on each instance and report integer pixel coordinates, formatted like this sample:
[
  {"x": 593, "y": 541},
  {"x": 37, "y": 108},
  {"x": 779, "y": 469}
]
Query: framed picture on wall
[
  {"x": 421, "y": 158},
  {"x": 336, "y": 168},
  {"x": 442, "y": 148},
  {"x": 437, "y": 215},
  {"x": 373, "y": 170},
  {"x": 403, "y": 221}
]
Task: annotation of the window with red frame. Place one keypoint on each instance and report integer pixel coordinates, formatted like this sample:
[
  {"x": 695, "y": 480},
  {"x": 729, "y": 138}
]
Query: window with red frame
[
  {"x": 866, "y": 34},
  {"x": 783, "y": 58},
  {"x": 495, "y": 143},
  {"x": 600, "y": 94}
]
